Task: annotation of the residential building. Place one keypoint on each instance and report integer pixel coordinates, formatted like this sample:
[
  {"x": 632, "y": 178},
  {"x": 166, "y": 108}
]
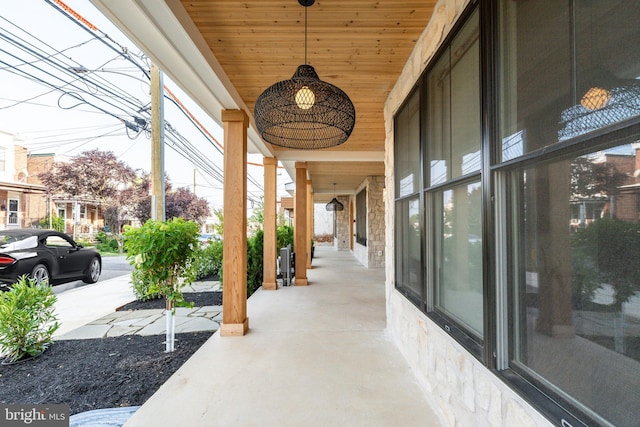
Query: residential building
[
  {"x": 458, "y": 180},
  {"x": 82, "y": 216},
  {"x": 22, "y": 202}
]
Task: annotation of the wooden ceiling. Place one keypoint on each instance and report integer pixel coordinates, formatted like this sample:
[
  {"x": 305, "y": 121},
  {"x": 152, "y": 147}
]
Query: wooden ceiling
[{"x": 360, "y": 46}]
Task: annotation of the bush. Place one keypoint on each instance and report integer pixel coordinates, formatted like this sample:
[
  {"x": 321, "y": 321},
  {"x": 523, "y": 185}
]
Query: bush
[
  {"x": 102, "y": 237},
  {"x": 57, "y": 223},
  {"x": 208, "y": 260},
  {"x": 141, "y": 284},
  {"x": 163, "y": 252},
  {"x": 255, "y": 262},
  {"x": 27, "y": 320},
  {"x": 284, "y": 237}
]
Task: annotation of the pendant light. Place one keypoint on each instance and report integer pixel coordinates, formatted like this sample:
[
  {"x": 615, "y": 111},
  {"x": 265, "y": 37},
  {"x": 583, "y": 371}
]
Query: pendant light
[
  {"x": 304, "y": 112},
  {"x": 334, "y": 204}
]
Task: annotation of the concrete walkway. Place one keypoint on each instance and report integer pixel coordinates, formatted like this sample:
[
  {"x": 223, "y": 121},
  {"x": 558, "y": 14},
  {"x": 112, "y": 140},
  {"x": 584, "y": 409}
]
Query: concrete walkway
[
  {"x": 90, "y": 312},
  {"x": 317, "y": 355}
]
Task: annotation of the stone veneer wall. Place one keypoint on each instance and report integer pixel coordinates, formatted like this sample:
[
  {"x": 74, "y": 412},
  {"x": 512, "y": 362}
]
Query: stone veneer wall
[
  {"x": 462, "y": 390},
  {"x": 372, "y": 255},
  {"x": 341, "y": 242}
]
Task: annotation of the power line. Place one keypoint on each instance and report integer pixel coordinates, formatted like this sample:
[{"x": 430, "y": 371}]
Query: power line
[{"x": 86, "y": 86}]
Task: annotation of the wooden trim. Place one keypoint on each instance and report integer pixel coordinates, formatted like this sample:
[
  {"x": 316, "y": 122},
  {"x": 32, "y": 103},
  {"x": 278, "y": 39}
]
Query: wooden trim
[
  {"x": 234, "y": 329},
  {"x": 270, "y": 257},
  {"x": 300, "y": 227},
  {"x": 234, "y": 259}
]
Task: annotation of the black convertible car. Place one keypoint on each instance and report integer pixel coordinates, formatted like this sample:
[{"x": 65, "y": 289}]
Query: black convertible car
[{"x": 45, "y": 255}]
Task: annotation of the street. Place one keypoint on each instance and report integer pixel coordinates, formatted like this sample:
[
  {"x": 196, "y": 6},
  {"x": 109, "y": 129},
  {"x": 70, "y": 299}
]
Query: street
[{"x": 112, "y": 266}]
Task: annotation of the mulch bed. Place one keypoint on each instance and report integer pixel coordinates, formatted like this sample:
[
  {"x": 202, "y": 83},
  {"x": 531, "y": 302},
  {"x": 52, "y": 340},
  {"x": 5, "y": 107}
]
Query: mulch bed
[
  {"x": 199, "y": 299},
  {"x": 97, "y": 373},
  {"x": 102, "y": 373}
]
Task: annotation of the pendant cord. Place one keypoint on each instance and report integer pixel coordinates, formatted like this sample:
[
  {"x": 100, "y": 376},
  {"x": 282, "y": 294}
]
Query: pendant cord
[{"x": 305, "y": 36}]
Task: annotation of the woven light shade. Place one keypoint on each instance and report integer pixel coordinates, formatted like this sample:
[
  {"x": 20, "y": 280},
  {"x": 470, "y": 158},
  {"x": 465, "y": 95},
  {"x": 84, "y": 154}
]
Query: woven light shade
[
  {"x": 304, "y": 112},
  {"x": 334, "y": 204}
]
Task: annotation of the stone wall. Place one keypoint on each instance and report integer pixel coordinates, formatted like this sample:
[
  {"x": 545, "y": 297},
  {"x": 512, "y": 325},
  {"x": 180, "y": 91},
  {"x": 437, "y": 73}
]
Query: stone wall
[
  {"x": 372, "y": 255},
  {"x": 463, "y": 390},
  {"x": 342, "y": 240}
]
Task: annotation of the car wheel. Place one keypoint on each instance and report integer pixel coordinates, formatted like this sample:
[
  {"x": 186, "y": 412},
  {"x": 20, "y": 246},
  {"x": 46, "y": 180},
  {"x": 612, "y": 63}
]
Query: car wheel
[
  {"x": 40, "y": 273},
  {"x": 93, "y": 274}
]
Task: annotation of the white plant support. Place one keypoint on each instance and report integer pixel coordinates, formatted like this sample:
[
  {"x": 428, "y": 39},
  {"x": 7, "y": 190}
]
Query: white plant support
[{"x": 170, "y": 335}]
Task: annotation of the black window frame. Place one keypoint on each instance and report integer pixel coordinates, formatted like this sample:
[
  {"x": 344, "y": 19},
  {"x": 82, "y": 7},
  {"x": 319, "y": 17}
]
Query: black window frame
[
  {"x": 497, "y": 329},
  {"x": 361, "y": 217}
]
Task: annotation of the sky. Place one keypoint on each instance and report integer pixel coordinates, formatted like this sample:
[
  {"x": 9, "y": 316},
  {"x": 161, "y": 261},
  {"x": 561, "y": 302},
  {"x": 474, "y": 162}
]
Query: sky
[{"x": 71, "y": 92}]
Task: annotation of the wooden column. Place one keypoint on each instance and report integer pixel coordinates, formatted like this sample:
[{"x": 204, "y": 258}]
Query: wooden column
[
  {"x": 309, "y": 221},
  {"x": 270, "y": 257},
  {"x": 234, "y": 257},
  {"x": 300, "y": 227}
]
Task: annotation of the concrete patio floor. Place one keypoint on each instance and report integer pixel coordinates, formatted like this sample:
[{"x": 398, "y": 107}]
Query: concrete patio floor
[{"x": 316, "y": 355}]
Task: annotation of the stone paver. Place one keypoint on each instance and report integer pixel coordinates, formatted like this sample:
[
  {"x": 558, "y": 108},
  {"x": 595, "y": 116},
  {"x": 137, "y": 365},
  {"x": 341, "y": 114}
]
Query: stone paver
[{"x": 152, "y": 322}]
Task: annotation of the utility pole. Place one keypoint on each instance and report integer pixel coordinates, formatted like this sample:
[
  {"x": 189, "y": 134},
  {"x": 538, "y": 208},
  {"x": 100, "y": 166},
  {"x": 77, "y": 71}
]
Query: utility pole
[{"x": 157, "y": 145}]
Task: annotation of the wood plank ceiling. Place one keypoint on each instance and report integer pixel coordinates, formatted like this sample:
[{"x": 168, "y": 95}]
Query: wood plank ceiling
[{"x": 360, "y": 46}]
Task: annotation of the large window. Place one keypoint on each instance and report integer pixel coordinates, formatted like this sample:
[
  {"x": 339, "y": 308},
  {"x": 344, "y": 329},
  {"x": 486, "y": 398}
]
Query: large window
[
  {"x": 575, "y": 246},
  {"x": 408, "y": 238},
  {"x": 517, "y": 200},
  {"x": 569, "y": 103},
  {"x": 452, "y": 153},
  {"x": 361, "y": 217},
  {"x": 458, "y": 255},
  {"x": 438, "y": 227}
]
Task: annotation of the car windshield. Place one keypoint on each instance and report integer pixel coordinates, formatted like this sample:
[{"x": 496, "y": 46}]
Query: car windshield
[{"x": 11, "y": 242}]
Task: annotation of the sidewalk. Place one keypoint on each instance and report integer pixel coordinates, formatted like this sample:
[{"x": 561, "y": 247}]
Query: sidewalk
[
  {"x": 316, "y": 355},
  {"x": 89, "y": 312}
]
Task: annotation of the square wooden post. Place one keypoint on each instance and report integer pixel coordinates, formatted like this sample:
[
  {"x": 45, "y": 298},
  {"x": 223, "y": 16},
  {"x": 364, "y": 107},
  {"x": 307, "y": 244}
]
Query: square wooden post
[
  {"x": 300, "y": 227},
  {"x": 309, "y": 221},
  {"x": 234, "y": 257},
  {"x": 270, "y": 257}
]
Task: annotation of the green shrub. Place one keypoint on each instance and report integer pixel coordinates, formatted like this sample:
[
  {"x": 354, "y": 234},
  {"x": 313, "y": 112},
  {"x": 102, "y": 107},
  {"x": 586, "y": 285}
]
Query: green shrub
[
  {"x": 255, "y": 262},
  {"x": 56, "y": 223},
  {"x": 208, "y": 260},
  {"x": 284, "y": 237},
  {"x": 163, "y": 252},
  {"x": 142, "y": 288},
  {"x": 101, "y": 236},
  {"x": 27, "y": 320}
]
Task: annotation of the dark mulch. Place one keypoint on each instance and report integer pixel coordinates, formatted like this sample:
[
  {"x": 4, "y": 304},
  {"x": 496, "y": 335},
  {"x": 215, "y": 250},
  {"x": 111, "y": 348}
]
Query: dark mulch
[
  {"x": 199, "y": 299},
  {"x": 97, "y": 373},
  {"x": 102, "y": 373}
]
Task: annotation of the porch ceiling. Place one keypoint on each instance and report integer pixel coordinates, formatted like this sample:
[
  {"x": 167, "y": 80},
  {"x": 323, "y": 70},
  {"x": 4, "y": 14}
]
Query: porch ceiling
[{"x": 235, "y": 49}]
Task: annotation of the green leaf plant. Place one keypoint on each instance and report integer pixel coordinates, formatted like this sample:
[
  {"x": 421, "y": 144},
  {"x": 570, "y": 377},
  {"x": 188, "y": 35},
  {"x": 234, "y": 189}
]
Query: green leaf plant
[
  {"x": 163, "y": 254},
  {"x": 27, "y": 319}
]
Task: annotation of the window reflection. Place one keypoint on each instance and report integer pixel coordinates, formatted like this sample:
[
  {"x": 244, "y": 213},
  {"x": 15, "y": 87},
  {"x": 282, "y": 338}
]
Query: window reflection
[
  {"x": 459, "y": 254},
  {"x": 578, "y": 299}
]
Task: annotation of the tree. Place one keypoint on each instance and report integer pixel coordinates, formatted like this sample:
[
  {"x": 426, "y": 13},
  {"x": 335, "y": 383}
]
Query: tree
[
  {"x": 595, "y": 180},
  {"x": 181, "y": 203},
  {"x": 219, "y": 227},
  {"x": 126, "y": 201},
  {"x": 256, "y": 220},
  {"x": 163, "y": 254},
  {"x": 93, "y": 174}
]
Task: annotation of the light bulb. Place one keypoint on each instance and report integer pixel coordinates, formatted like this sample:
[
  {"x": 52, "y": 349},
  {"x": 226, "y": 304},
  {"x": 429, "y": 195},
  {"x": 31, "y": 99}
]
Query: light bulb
[
  {"x": 595, "y": 98},
  {"x": 305, "y": 98}
]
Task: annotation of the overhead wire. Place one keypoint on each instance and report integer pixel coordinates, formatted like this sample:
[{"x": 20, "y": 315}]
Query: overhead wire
[{"x": 116, "y": 99}]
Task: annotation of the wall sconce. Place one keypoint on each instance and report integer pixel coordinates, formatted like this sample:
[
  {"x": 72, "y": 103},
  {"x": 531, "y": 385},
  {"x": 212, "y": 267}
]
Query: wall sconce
[{"x": 3, "y": 206}]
